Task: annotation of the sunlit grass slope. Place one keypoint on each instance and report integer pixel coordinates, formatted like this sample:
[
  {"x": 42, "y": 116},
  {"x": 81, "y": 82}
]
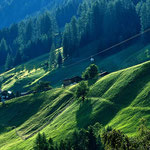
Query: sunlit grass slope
[
  {"x": 138, "y": 92},
  {"x": 56, "y": 112},
  {"x": 25, "y": 76},
  {"x": 119, "y": 99}
]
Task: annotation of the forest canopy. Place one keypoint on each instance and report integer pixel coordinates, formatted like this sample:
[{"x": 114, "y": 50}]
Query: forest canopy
[{"x": 73, "y": 25}]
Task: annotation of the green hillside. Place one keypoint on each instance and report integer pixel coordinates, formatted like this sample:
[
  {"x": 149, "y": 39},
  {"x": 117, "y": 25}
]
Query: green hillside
[
  {"x": 52, "y": 44},
  {"x": 25, "y": 76},
  {"x": 119, "y": 99}
]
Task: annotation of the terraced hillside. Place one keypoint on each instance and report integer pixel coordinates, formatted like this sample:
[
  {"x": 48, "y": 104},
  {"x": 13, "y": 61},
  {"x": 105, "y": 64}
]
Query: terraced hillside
[{"x": 119, "y": 99}]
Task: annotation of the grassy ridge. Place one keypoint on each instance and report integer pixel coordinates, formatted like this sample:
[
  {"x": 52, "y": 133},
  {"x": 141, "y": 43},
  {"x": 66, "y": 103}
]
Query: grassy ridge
[
  {"x": 119, "y": 99},
  {"x": 128, "y": 118}
]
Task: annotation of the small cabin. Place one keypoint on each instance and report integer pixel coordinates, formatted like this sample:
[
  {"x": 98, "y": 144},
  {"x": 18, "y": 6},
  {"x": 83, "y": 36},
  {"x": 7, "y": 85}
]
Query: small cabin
[
  {"x": 73, "y": 80},
  {"x": 103, "y": 74}
]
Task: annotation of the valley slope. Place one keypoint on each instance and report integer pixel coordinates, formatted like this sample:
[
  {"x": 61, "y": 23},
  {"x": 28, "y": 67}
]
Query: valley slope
[
  {"x": 25, "y": 76},
  {"x": 119, "y": 99}
]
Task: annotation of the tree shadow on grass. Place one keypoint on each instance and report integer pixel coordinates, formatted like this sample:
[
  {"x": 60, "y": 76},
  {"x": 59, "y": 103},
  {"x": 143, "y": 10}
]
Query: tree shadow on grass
[
  {"x": 83, "y": 114},
  {"x": 88, "y": 114},
  {"x": 92, "y": 81}
]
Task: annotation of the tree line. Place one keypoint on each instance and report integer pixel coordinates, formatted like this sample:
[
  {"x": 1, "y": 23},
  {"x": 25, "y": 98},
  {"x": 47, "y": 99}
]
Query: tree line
[
  {"x": 26, "y": 40},
  {"x": 25, "y": 8},
  {"x": 97, "y": 138},
  {"x": 35, "y": 36},
  {"x": 84, "y": 139},
  {"x": 105, "y": 21}
]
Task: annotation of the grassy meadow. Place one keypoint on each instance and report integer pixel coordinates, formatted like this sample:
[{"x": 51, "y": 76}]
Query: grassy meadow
[{"x": 119, "y": 99}]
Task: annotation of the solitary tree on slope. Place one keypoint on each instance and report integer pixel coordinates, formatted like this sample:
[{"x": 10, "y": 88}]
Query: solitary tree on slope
[{"x": 82, "y": 90}]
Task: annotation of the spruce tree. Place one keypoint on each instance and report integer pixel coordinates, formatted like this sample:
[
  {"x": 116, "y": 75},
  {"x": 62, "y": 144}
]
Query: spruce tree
[
  {"x": 41, "y": 142},
  {"x": 9, "y": 62},
  {"x": 144, "y": 17},
  {"x": 38, "y": 143},
  {"x": 13, "y": 32},
  {"x": 3, "y": 51},
  {"x": 66, "y": 41},
  {"x": 45, "y": 142},
  {"x": 52, "y": 57},
  {"x": 74, "y": 36},
  {"x": 18, "y": 58},
  {"x": 59, "y": 60},
  {"x": 45, "y": 24},
  {"x": 28, "y": 31},
  {"x": 92, "y": 143}
]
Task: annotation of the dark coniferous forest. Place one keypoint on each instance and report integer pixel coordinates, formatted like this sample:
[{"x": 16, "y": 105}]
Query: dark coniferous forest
[{"x": 75, "y": 24}]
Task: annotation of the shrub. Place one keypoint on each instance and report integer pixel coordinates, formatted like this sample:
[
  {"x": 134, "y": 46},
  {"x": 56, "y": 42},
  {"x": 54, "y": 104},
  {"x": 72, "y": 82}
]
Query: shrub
[
  {"x": 90, "y": 72},
  {"x": 42, "y": 86},
  {"x": 41, "y": 142}
]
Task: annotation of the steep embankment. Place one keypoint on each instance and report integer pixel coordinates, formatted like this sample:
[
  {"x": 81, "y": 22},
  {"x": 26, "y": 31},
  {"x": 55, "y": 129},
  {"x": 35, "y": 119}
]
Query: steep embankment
[{"x": 119, "y": 99}]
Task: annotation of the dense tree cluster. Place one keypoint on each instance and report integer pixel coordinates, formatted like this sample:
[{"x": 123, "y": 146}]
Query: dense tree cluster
[
  {"x": 97, "y": 138},
  {"x": 35, "y": 35},
  {"x": 115, "y": 139},
  {"x": 143, "y": 9},
  {"x": 65, "y": 12},
  {"x": 78, "y": 140},
  {"x": 108, "y": 21},
  {"x": 10, "y": 8},
  {"x": 26, "y": 40}
]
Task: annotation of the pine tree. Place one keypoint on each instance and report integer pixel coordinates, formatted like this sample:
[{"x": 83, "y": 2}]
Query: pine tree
[
  {"x": 66, "y": 41},
  {"x": 74, "y": 36},
  {"x": 52, "y": 57},
  {"x": 28, "y": 31},
  {"x": 59, "y": 60},
  {"x": 38, "y": 143},
  {"x": 71, "y": 38},
  {"x": 96, "y": 18},
  {"x": 51, "y": 144},
  {"x": 18, "y": 58},
  {"x": 41, "y": 142},
  {"x": 9, "y": 62},
  {"x": 45, "y": 24},
  {"x": 3, "y": 51},
  {"x": 13, "y": 32},
  {"x": 45, "y": 142},
  {"x": 145, "y": 21},
  {"x": 92, "y": 143}
]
